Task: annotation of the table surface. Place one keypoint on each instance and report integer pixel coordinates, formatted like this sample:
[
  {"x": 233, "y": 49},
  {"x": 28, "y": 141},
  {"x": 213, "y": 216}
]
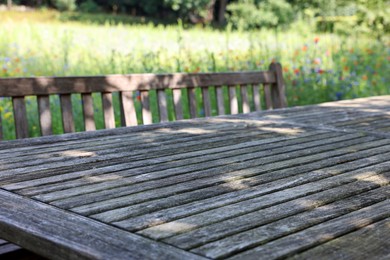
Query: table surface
[{"x": 291, "y": 183}]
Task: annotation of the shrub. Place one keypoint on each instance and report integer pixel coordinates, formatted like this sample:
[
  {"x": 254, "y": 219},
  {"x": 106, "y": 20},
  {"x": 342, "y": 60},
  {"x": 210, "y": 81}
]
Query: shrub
[
  {"x": 65, "y": 5},
  {"x": 252, "y": 14},
  {"x": 89, "y": 6}
]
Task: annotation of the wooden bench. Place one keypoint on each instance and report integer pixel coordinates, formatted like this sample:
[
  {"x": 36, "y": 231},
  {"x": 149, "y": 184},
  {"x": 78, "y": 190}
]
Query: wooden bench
[{"x": 126, "y": 85}]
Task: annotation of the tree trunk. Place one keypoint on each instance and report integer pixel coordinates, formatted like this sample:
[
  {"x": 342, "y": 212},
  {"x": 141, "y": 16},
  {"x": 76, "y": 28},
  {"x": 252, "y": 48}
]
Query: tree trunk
[
  {"x": 221, "y": 11},
  {"x": 9, "y": 4}
]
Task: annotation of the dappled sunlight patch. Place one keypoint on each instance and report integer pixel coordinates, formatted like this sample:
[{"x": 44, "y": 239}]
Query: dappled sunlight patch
[
  {"x": 168, "y": 229},
  {"x": 188, "y": 131},
  {"x": 377, "y": 179},
  {"x": 275, "y": 117},
  {"x": 77, "y": 153},
  {"x": 101, "y": 178},
  {"x": 283, "y": 130},
  {"x": 237, "y": 185}
]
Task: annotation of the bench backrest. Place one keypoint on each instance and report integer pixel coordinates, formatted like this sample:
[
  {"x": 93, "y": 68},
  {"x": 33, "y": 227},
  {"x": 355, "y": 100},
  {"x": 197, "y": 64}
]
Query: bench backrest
[{"x": 126, "y": 85}]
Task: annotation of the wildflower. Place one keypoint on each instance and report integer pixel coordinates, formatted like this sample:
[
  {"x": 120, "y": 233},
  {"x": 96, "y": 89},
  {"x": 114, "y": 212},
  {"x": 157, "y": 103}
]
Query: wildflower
[
  {"x": 320, "y": 71},
  {"x": 327, "y": 53},
  {"x": 339, "y": 95},
  {"x": 285, "y": 69},
  {"x": 196, "y": 70},
  {"x": 364, "y": 77},
  {"x": 304, "y": 48},
  {"x": 316, "y": 40},
  {"x": 351, "y": 50},
  {"x": 4, "y": 70},
  {"x": 317, "y": 61},
  {"x": 346, "y": 68},
  {"x": 16, "y": 60},
  {"x": 296, "y": 71}
]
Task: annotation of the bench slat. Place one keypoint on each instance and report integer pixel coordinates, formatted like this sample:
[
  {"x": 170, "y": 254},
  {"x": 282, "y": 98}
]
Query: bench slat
[
  {"x": 233, "y": 100},
  {"x": 192, "y": 102},
  {"x": 146, "y": 112},
  {"x": 256, "y": 97},
  {"x": 129, "y": 115},
  {"x": 267, "y": 96},
  {"x": 45, "y": 115},
  {"x": 20, "y": 115},
  {"x": 108, "y": 111},
  {"x": 245, "y": 99},
  {"x": 206, "y": 102},
  {"x": 177, "y": 98},
  {"x": 1, "y": 127},
  {"x": 220, "y": 101},
  {"x": 162, "y": 105},
  {"x": 88, "y": 112},
  {"x": 67, "y": 115},
  {"x": 278, "y": 88},
  {"x": 133, "y": 82}
]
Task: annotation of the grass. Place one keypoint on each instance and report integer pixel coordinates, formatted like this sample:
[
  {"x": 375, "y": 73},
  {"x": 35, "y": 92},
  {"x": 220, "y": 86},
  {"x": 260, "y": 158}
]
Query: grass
[{"x": 317, "y": 67}]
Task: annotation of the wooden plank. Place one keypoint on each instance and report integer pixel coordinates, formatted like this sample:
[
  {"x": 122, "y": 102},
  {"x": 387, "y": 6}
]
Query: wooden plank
[
  {"x": 192, "y": 177},
  {"x": 220, "y": 101},
  {"x": 192, "y": 102},
  {"x": 70, "y": 236},
  {"x": 88, "y": 112},
  {"x": 245, "y": 156},
  {"x": 206, "y": 101},
  {"x": 245, "y": 99},
  {"x": 233, "y": 100},
  {"x": 162, "y": 105},
  {"x": 108, "y": 111},
  {"x": 256, "y": 97},
  {"x": 370, "y": 242},
  {"x": 1, "y": 126},
  {"x": 132, "y": 82},
  {"x": 319, "y": 234},
  {"x": 262, "y": 234},
  {"x": 20, "y": 116},
  {"x": 146, "y": 112},
  {"x": 113, "y": 156},
  {"x": 45, "y": 115},
  {"x": 216, "y": 196},
  {"x": 103, "y": 192},
  {"x": 128, "y": 112},
  {"x": 67, "y": 115},
  {"x": 177, "y": 102},
  {"x": 278, "y": 91},
  {"x": 211, "y": 225},
  {"x": 268, "y": 96},
  {"x": 261, "y": 215}
]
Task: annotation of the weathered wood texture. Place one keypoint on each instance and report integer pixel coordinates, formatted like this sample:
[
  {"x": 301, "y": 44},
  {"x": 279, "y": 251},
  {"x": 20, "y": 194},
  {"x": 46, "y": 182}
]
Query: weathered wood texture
[
  {"x": 9, "y": 251},
  {"x": 265, "y": 185},
  {"x": 126, "y": 85},
  {"x": 69, "y": 236}
]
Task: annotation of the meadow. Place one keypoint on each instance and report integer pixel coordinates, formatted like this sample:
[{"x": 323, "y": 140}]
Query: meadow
[{"x": 317, "y": 67}]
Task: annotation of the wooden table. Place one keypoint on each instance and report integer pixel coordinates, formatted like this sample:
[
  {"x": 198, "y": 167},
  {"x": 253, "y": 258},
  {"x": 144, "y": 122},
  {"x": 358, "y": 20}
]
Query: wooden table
[{"x": 306, "y": 183}]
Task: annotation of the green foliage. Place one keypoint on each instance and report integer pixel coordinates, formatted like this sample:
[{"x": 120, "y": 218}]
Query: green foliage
[
  {"x": 89, "y": 6},
  {"x": 186, "y": 7},
  {"x": 253, "y": 14},
  {"x": 65, "y": 5},
  {"x": 373, "y": 17}
]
